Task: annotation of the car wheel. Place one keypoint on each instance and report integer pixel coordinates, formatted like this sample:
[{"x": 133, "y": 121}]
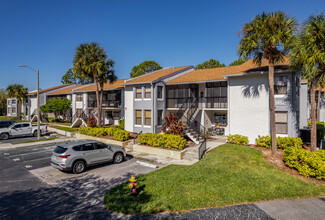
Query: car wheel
[
  {"x": 4, "y": 136},
  {"x": 79, "y": 167},
  {"x": 118, "y": 158},
  {"x": 35, "y": 134}
]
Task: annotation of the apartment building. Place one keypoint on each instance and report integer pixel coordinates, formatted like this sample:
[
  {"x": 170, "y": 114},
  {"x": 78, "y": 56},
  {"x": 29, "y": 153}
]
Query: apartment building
[{"x": 234, "y": 98}]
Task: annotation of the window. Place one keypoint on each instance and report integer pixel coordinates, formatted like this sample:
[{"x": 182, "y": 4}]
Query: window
[
  {"x": 220, "y": 118},
  {"x": 159, "y": 92},
  {"x": 138, "y": 93},
  {"x": 147, "y": 92},
  {"x": 13, "y": 101},
  {"x": 25, "y": 125},
  {"x": 60, "y": 150},
  {"x": 160, "y": 117},
  {"x": 147, "y": 117},
  {"x": 79, "y": 98},
  {"x": 280, "y": 85},
  {"x": 281, "y": 122},
  {"x": 101, "y": 146},
  {"x": 87, "y": 147},
  {"x": 77, "y": 148},
  {"x": 138, "y": 117},
  {"x": 9, "y": 110},
  {"x": 113, "y": 114},
  {"x": 14, "y": 110},
  {"x": 17, "y": 126},
  {"x": 9, "y": 101}
]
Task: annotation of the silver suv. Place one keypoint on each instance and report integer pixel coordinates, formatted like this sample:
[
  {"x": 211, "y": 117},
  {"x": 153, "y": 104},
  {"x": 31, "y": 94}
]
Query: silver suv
[{"x": 77, "y": 155}]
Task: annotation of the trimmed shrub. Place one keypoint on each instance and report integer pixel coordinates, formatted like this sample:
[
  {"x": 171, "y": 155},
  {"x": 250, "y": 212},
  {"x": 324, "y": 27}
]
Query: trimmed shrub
[
  {"x": 92, "y": 122},
  {"x": 237, "y": 139},
  {"x": 308, "y": 164},
  {"x": 121, "y": 135},
  {"x": 121, "y": 124},
  {"x": 162, "y": 140},
  {"x": 281, "y": 142}
]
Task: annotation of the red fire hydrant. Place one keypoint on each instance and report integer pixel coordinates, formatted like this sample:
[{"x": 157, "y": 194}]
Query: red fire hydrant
[{"x": 133, "y": 185}]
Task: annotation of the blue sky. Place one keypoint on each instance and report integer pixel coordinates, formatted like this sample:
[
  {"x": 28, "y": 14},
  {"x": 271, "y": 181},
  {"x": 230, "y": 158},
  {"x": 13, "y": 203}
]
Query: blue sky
[{"x": 45, "y": 34}]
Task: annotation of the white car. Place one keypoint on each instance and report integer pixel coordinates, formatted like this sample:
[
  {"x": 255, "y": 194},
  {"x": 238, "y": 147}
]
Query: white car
[{"x": 21, "y": 129}]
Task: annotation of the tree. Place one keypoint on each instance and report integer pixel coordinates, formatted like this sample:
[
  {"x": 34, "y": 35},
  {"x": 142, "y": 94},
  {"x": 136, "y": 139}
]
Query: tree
[
  {"x": 212, "y": 63},
  {"x": 309, "y": 56},
  {"x": 238, "y": 62},
  {"x": 19, "y": 92},
  {"x": 268, "y": 36},
  {"x": 56, "y": 106},
  {"x": 90, "y": 62},
  {"x": 3, "y": 102},
  {"x": 70, "y": 77},
  {"x": 145, "y": 67}
]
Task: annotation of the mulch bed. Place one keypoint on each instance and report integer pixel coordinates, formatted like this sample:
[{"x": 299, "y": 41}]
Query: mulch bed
[{"x": 277, "y": 160}]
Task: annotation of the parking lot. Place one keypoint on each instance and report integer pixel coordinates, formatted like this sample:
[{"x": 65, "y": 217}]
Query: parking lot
[{"x": 29, "y": 183}]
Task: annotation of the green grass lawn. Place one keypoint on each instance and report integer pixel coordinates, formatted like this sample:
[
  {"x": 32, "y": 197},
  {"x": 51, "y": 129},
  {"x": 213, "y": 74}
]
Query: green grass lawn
[
  {"x": 5, "y": 118},
  {"x": 64, "y": 128},
  {"x": 59, "y": 123},
  {"x": 229, "y": 174},
  {"x": 31, "y": 141}
]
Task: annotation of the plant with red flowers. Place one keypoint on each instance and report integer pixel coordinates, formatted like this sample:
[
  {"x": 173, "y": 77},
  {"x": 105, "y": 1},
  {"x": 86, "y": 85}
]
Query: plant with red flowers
[
  {"x": 173, "y": 125},
  {"x": 92, "y": 122}
]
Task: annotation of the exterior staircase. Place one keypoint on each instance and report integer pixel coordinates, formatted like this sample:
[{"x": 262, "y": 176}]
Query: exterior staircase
[{"x": 81, "y": 119}]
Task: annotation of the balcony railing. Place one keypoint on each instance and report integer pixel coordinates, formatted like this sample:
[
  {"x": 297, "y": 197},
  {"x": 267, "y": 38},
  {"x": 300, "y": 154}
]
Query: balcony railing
[
  {"x": 208, "y": 102},
  {"x": 105, "y": 104}
]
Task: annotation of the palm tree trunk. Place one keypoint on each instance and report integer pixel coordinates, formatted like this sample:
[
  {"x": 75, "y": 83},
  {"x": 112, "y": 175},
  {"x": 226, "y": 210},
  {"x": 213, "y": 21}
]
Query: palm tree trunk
[
  {"x": 272, "y": 106},
  {"x": 97, "y": 99},
  {"x": 313, "y": 140},
  {"x": 318, "y": 106},
  {"x": 101, "y": 100},
  {"x": 18, "y": 109}
]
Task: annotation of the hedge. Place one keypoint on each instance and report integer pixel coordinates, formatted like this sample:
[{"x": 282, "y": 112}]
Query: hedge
[
  {"x": 162, "y": 140},
  {"x": 237, "y": 139},
  {"x": 116, "y": 133},
  {"x": 308, "y": 164},
  {"x": 281, "y": 142}
]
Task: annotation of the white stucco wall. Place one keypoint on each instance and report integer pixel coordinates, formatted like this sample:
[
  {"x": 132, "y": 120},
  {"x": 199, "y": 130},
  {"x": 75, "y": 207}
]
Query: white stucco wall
[
  {"x": 248, "y": 108},
  {"x": 33, "y": 105},
  {"x": 128, "y": 110}
]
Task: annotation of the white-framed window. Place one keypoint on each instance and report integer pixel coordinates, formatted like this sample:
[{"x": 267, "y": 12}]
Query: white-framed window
[
  {"x": 281, "y": 122},
  {"x": 9, "y": 110},
  {"x": 280, "y": 85},
  {"x": 13, "y": 101},
  {"x": 138, "y": 92},
  {"x": 14, "y": 110},
  {"x": 79, "y": 97},
  {"x": 113, "y": 114},
  {"x": 147, "y": 117},
  {"x": 147, "y": 92},
  {"x": 138, "y": 117},
  {"x": 159, "y": 92},
  {"x": 9, "y": 101}
]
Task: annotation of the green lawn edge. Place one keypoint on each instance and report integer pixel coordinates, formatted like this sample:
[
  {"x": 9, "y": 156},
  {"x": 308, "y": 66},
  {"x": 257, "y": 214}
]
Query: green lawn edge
[
  {"x": 64, "y": 128},
  {"x": 227, "y": 175},
  {"x": 31, "y": 141}
]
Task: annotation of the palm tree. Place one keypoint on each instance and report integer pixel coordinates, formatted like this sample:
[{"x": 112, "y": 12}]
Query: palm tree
[
  {"x": 90, "y": 62},
  {"x": 268, "y": 36},
  {"x": 309, "y": 56},
  {"x": 19, "y": 92}
]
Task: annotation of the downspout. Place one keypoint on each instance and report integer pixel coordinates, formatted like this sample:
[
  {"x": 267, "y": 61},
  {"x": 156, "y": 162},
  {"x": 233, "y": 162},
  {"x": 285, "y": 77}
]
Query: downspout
[{"x": 153, "y": 108}]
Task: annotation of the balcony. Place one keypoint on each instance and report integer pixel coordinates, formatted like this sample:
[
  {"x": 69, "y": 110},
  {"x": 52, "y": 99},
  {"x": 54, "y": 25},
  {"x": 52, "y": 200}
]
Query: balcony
[
  {"x": 216, "y": 102},
  {"x": 208, "y": 102},
  {"x": 105, "y": 104}
]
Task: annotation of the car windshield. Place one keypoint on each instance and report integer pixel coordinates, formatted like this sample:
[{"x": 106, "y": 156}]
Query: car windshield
[{"x": 60, "y": 150}]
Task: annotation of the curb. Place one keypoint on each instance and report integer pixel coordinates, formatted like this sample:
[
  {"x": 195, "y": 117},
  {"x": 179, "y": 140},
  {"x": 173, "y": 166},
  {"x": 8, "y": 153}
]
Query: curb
[
  {"x": 142, "y": 163},
  {"x": 51, "y": 142}
]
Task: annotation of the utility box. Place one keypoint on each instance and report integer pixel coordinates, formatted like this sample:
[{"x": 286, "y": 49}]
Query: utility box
[{"x": 305, "y": 135}]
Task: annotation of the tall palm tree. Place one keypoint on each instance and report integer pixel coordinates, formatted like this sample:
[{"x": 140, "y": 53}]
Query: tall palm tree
[
  {"x": 19, "y": 92},
  {"x": 89, "y": 62},
  {"x": 268, "y": 36},
  {"x": 309, "y": 56}
]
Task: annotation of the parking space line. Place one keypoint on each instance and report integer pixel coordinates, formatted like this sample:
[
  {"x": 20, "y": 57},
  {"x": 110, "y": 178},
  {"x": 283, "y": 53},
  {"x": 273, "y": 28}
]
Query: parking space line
[
  {"x": 28, "y": 161},
  {"x": 17, "y": 155}
]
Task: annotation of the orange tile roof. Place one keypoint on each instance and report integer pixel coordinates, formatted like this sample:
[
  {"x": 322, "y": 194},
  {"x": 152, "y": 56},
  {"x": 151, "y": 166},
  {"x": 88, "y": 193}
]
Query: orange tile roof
[
  {"x": 150, "y": 77},
  {"x": 66, "y": 90},
  {"x": 107, "y": 86},
  {"x": 48, "y": 89},
  {"x": 203, "y": 75},
  {"x": 304, "y": 80}
]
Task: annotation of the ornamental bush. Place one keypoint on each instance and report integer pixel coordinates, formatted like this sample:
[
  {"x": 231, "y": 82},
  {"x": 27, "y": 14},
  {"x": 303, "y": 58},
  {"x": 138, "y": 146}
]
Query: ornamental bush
[
  {"x": 121, "y": 135},
  {"x": 116, "y": 133},
  {"x": 162, "y": 140},
  {"x": 237, "y": 139},
  {"x": 281, "y": 142},
  {"x": 308, "y": 164},
  {"x": 92, "y": 122}
]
